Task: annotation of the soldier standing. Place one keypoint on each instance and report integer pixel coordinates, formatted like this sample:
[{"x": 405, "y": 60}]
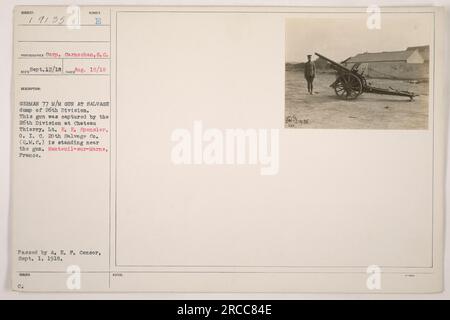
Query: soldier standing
[{"x": 310, "y": 73}]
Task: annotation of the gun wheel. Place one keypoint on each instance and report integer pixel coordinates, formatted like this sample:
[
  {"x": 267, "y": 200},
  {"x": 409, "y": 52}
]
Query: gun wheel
[{"x": 348, "y": 86}]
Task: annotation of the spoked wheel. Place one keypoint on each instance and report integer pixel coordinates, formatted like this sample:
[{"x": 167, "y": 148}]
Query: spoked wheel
[{"x": 348, "y": 86}]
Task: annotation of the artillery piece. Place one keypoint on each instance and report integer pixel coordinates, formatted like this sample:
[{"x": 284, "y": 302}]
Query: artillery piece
[{"x": 351, "y": 83}]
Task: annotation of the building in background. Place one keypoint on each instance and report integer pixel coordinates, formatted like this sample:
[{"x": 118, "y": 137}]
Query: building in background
[{"x": 409, "y": 64}]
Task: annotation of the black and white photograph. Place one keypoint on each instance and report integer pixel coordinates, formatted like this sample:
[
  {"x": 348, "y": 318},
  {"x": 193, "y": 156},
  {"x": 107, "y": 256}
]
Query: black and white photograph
[{"x": 356, "y": 71}]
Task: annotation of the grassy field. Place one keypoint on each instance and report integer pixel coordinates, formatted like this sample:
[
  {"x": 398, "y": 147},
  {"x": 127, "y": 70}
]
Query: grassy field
[{"x": 325, "y": 110}]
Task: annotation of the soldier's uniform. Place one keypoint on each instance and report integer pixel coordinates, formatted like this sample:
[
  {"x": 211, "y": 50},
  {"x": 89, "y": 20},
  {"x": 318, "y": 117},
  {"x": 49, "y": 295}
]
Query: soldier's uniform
[{"x": 310, "y": 73}]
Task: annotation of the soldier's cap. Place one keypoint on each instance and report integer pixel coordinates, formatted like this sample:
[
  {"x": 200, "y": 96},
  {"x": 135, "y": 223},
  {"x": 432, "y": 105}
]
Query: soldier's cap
[{"x": 309, "y": 55}]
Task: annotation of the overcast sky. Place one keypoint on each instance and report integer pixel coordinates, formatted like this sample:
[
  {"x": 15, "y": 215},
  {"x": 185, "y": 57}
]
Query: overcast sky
[{"x": 339, "y": 36}]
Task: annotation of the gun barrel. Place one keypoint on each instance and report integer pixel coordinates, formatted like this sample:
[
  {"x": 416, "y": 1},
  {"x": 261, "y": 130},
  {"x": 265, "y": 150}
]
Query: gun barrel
[{"x": 333, "y": 63}]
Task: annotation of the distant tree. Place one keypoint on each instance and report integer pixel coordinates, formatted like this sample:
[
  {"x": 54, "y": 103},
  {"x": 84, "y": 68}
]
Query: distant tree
[
  {"x": 322, "y": 64},
  {"x": 295, "y": 66}
]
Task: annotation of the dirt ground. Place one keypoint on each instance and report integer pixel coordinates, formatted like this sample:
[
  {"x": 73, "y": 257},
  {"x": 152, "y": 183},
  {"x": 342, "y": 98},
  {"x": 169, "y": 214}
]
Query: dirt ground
[{"x": 325, "y": 110}]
